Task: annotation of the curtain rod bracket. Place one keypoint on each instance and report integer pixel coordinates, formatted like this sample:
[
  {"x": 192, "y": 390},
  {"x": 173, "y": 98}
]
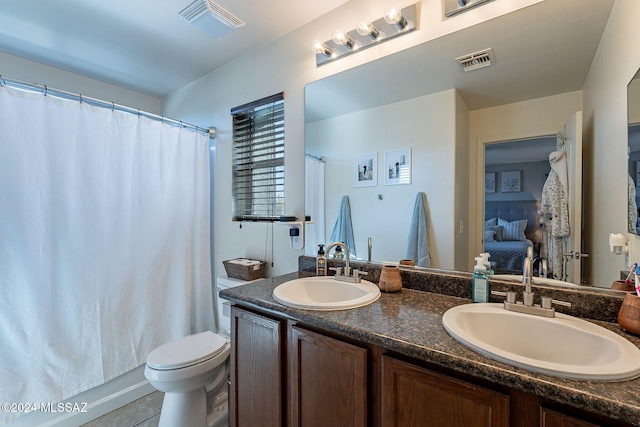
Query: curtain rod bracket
[{"x": 212, "y": 132}]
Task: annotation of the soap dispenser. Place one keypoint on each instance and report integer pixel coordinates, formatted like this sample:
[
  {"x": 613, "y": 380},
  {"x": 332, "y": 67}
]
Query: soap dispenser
[
  {"x": 338, "y": 254},
  {"x": 485, "y": 261},
  {"x": 321, "y": 262},
  {"x": 480, "y": 285}
]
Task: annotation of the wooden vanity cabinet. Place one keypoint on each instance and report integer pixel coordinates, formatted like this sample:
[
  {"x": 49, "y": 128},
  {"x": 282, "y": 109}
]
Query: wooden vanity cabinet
[
  {"x": 325, "y": 378},
  {"x": 284, "y": 374}
]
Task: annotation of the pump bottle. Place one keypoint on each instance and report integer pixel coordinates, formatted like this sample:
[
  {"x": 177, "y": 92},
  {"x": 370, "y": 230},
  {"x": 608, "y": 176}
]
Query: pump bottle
[
  {"x": 480, "y": 285},
  {"x": 485, "y": 261},
  {"x": 321, "y": 262}
]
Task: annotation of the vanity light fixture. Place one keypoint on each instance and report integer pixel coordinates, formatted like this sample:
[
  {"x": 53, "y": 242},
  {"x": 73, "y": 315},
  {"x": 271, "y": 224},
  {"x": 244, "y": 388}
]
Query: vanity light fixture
[
  {"x": 321, "y": 49},
  {"x": 343, "y": 39},
  {"x": 394, "y": 23}
]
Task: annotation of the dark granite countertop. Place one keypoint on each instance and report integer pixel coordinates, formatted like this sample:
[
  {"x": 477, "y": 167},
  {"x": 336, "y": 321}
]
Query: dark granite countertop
[{"x": 410, "y": 323}]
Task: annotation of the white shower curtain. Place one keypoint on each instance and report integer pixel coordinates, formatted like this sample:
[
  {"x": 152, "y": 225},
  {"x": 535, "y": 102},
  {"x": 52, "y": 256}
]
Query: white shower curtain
[
  {"x": 314, "y": 204},
  {"x": 104, "y": 243}
]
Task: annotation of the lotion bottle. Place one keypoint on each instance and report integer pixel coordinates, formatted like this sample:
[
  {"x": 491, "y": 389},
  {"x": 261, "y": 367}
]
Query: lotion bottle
[
  {"x": 480, "y": 285},
  {"x": 321, "y": 262}
]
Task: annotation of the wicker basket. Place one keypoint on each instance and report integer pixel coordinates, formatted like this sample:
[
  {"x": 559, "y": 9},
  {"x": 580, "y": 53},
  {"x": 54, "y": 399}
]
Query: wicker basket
[{"x": 244, "y": 272}]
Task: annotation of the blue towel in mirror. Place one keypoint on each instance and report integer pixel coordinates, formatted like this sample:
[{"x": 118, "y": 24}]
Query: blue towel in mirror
[
  {"x": 343, "y": 230},
  {"x": 418, "y": 243}
]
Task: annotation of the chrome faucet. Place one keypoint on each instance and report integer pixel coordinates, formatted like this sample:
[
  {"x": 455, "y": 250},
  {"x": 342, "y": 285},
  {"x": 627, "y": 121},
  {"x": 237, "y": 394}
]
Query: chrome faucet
[
  {"x": 527, "y": 278},
  {"x": 527, "y": 306},
  {"x": 346, "y": 277}
]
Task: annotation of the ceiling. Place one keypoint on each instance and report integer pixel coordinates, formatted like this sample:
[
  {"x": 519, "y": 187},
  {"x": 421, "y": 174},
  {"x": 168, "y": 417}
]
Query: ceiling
[
  {"x": 143, "y": 45},
  {"x": 521, "y": 151},
  {"x": 146, "y": 46},
  {"x": 541, "y": 50}
]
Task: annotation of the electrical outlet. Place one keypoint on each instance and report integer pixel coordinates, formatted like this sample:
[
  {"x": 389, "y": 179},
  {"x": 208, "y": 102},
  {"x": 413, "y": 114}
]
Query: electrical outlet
[{"x": 461, "y": 227}]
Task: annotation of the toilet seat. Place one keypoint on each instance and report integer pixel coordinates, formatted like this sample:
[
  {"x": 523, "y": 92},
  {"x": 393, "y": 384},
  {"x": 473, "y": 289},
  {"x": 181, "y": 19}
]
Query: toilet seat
[{"x": 186, "y": 351}]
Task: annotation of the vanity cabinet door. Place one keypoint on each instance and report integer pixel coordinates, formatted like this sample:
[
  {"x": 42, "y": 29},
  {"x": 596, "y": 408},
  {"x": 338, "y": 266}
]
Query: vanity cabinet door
[
  {"x": 327, "y": 381},
  {"x": 549, "y": 418},
  {"x": 256, "y": 370},
  {"x": 415, "y": 396}
]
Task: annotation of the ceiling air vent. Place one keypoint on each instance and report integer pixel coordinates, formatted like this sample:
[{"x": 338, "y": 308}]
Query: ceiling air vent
[
  {"x": 211, "y": 18},
  {"x": 476, "y": 60}
]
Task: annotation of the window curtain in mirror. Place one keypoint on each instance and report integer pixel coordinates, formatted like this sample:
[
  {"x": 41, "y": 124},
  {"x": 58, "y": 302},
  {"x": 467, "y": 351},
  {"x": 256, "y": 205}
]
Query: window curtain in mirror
[
  {"x": 104, "y": 243},
  {"x": 314, "y": 204}
]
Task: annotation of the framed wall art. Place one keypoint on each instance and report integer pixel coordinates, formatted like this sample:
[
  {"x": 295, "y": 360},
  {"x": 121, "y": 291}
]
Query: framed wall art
[
  {"x": 511, "y": 181},
  {"x": 490, "y": 182},
  {"x": 397, "y": 167},
  {"x": 365, "y": 170}
]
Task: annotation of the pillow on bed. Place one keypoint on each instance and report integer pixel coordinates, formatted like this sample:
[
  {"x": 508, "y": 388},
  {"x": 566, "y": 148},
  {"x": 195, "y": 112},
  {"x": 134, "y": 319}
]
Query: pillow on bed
[
  {"x": 489, "y": 236},
  {"x": 513, "y": 230},
  {"x": 491, "y": 222},
  {"x": 498, "y": 232}
]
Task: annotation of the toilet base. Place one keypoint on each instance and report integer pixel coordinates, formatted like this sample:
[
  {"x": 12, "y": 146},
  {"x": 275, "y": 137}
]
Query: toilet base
[{"x": 184, "y": 409}]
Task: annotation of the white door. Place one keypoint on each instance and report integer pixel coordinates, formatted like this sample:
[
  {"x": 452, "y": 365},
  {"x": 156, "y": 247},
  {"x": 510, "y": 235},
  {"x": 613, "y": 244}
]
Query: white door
[{"x": 573, "y": 149}]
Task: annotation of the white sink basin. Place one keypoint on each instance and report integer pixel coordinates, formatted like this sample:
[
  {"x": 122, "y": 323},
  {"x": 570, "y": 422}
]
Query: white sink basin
[
  {"x": 563, "y": 346},
  {"x": 325, "y": 293}
]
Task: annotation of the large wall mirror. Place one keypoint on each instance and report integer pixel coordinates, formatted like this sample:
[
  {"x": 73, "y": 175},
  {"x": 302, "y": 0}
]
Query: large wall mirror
[
  {"x": 418, "y": 102},
  {"x": 633, "y": 100}
]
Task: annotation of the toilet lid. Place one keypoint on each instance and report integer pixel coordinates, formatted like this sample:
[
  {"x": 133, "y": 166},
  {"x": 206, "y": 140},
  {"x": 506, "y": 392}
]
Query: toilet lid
[{"x": 186, "y": 351}]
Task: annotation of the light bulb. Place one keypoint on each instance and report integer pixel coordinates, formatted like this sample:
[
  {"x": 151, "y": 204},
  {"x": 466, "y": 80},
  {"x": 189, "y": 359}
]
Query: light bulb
[
  {"x": 366, "y": 28},
  {"x": 393, "y": 15},
  {"x": 321, "y": 48},
  {"x": 342, "y": 38}
]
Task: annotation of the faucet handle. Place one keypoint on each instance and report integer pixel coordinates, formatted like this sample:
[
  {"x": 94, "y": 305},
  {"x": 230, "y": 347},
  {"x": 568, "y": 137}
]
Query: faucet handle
[
  {"x": 546, "y": 302},
  {"x": 358, "y": 273},
  {"x": 510, "y": 296},
  {"x": 338, "y": 270}
]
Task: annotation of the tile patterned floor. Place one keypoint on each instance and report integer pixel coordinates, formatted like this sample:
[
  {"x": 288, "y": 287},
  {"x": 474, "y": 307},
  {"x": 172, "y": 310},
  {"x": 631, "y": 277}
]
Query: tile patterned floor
[{"x": 144, "y": 412}]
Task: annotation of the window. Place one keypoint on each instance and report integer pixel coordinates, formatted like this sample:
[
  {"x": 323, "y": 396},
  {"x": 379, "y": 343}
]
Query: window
[{"x": 258, "y": 159}]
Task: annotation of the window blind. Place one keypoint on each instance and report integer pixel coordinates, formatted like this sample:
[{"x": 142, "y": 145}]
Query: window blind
[{"x": 258, "y": 159}]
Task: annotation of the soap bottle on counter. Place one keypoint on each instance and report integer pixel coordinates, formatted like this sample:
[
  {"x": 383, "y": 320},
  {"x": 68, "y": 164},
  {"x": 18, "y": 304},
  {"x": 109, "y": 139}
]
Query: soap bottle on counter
[
  {"x": 321, "y": 262},
  {"x": 480, "y": 284},
  {"x": 485, "y": 261}
]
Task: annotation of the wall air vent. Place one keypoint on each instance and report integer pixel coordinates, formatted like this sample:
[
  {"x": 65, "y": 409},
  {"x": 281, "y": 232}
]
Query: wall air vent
[
  {"x": 211, "y": 18},
  {"x": 476, "y": 60}
]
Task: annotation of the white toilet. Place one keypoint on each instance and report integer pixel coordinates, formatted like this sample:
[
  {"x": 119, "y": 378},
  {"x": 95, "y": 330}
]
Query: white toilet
[{"x": 192, "y": 372}]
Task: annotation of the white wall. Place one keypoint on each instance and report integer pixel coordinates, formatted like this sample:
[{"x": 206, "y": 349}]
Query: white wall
[
  {"x": 521, "y": 120},
  {"x": 605, "y": 134},
  {"x": 461, "y": 167},
  {"x": 13, "y": 67},
  {"x": 288, "y": 64},
  {"x": 426, "y": 125}
]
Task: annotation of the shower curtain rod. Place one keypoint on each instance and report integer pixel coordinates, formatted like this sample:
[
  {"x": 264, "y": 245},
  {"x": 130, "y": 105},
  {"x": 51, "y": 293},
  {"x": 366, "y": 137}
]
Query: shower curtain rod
[
  {"x": 34, "y": 87},
  {"x": 316, "y": 158}
]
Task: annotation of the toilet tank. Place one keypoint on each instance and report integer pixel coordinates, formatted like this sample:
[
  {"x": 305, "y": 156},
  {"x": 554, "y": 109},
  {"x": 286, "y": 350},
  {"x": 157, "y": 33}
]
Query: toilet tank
[{"x": 224, "y": 306}]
